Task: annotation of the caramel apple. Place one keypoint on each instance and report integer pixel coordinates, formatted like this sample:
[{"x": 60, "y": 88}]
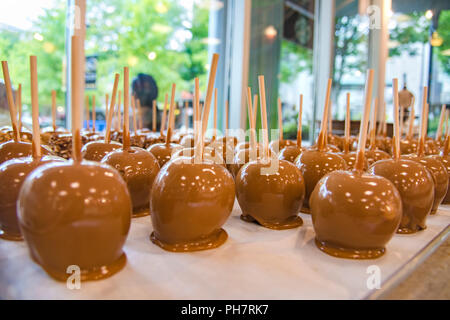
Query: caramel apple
[
  {"x": 14, "y": 172},
  {"x": 75, "y": 213},
  {"x": 290, "y": 153},
  {"x": 96, "y": 150},
  {"x": 413, "y": 181},
  {"x": 355, "y": 214},
  {"x": 191, "y": 197},
  {"x": 315, "y": 162},
  {"x": 137, "y": 166},
  {"x": 444, "y": 157}
]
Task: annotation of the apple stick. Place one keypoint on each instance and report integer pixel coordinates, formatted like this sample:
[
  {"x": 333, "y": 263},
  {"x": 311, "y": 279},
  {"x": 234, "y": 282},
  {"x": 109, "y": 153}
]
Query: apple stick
[
  {"x": 54, "y": 110},
  {"x": 186, "y": 115},
  {"x": 111, "y": 109},
  {"x": 359, "y": 163},
  {"x": 411, "y": 120},
  {"x": 262, "y": 95},
  {"x": 396, "y": 135},
  {"x": 119, "y": 110},
  {"x": 126, "y": 108},
  {"x": 373, "y": 125},
  {"x": 402, "y": 111},
  {"x": 9, "y": 96},
  {"x": 215, "y": 115},
  {"x": 280, "y": 120},
  {"x": 154, "y": 116},
  {"x": 321, "y": 140},
  {"x": 164, "y": 116},
  {"x": 171, "y": 115},
  {"x": 250, "y": 119},
  {"x": 255, "y": 109},
  {"x": 197, "y": 134},
  {"x": 347, "y": 125},
  {"x": 19, "y": 106},
  {"x": 36, "y": 145},
  {"x": 88, "y": 125},
  {"x": 446, "y": 122},
  {"x": 94, "y": 115},
  {"x": 139, "y": 108},
  {"x": 77, "y": 95},
  {"x": 209, "y": 92},
  {"x": 133, "y": 114},
  {"x": 441, "y": 123},
  {"x": 299, "y": 126},
  {"x": 423, "y": 125}
]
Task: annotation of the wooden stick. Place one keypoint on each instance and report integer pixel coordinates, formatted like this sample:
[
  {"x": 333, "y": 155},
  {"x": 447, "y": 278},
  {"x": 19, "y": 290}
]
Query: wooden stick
[
  {"x": 255, "y": 110},
  {"x": 133, "y": 113},
  {"x": 163, "y": 120},
  {"x": 36, "y": 145},
  {"x": 441, "y": 123},
  {"x": 227, "y": 109},
  {"x": 94, "y": 115},
  {"x": 106, "y": 105},
  {"x": 262, "y": 96},
  {"x": 321, "y": 141},
  {"x": 423, "y": 125},
  {"x": 139, "y": 107},
  {"x": 209, "y": 92},
  {"x": 215, "y": 114},
  {"x": 250, "y": 119},
  {"x": 126, "y": 108},
  {"x": 385, "y": 122},
  {"x": 359, "y": 163},
  {"x": 19, "y": 106},
  {"x": 77, "y": 95},
  {"x": 373, "y": 125},
  {"x": 198, "y": 145},
  {"x": 54, "y": 110},
  {"x": 396, "y": 135},
  {"x": 186, "y": 115},
  {"x": 402, "y": 111},
  {"x": 171, "y": 115},
  {"x": 280, "y": 119},
  {"x": 88, "y": 125},
  {"x": 154, "y": 116},
  {"x": 9, "y": 96},
  {"x": 446, "y": 122},
  {"x": 111, "y": 109},
  {"x": 411, "y": 119},
  {"x": 347, "y": 125},
  {"x": 299, "y": 125},
  {"x": 119, "y": 110}
]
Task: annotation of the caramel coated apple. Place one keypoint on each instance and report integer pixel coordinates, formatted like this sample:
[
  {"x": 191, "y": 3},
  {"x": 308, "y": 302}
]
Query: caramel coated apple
[
  {"x": 314, "y": 164},
  {"x": 374, "y": 155},
  {"x": 190, "y": 202},
  {"x": 163, "y": 151},
  {"x": 439, "y": 174},
  {"x": 75, "y": 214},
  {"x": 273, "y": 198},
  {"x": 354, "y": 214},
  {"x": 445, "y": 159},
  {"x": 11, "y": 150},
  {"x": 350, "y": 159},
  {"x": 12, "y": 175},
  {"x": 290, "y": 153},
  {"x": 277, "y": 145},
  {"x": 96, "y": 150},
  {"x": 138, "y": 168},
  {"x": 416, "y": 187}
]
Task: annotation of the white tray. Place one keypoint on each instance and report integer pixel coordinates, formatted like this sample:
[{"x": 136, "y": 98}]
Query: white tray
[{"x": 254, "y": 263}]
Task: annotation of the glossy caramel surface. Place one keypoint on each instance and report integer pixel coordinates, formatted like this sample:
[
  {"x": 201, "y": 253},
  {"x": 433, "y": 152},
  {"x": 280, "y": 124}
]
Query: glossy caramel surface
[
  {"x": 439, "y": 174},
  {"x": 138, "y": 168},
  {"x": 189, "y": 204},
  {"x": 273, "y": 200},
  {"x": 445, "y": 159},
  {"x": 290, "y": 153},
  {"x": 75, "y": 214},
  {"x": 416, "y": 187},
  {"x": 11, "y": 150},
  {"x": 350, "y": 159},
  {"x": 313, "y": 165},
  {"x": 355, "y": 214},
  {"x": 12, "y": 175},
  {"x": 96, "y": 150},
  {"x": 163, "y": 152}
]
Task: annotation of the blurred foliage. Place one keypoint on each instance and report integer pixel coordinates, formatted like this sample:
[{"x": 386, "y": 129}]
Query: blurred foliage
[
  {"x": 444, "y": 32},
  {"x": 121, "y": 33},
  {"x": 294, "y": 59}
]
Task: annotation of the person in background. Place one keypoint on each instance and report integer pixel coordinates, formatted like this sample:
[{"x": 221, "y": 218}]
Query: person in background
[{"x": 145, "y": 89}]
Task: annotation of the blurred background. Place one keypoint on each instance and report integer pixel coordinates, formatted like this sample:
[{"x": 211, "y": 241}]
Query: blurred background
[{"x": 296, "y": 44}]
